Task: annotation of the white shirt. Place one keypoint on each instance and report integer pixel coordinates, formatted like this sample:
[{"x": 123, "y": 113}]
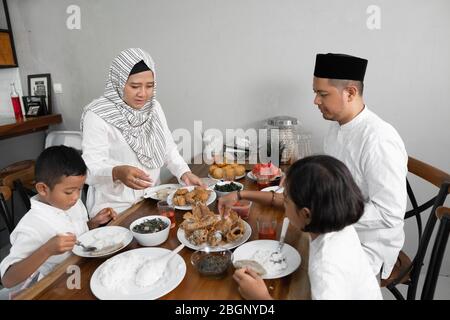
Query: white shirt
[
  {"x": 339, "y": 269},
  {"x": 375, "y": 155},
  {"x": 104, "y": 147},
  {"x": 41, "y": 223}
]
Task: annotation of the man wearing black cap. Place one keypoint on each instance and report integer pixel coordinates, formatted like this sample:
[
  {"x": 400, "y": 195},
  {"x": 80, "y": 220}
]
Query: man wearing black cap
[{"x": 372, "y": 150}]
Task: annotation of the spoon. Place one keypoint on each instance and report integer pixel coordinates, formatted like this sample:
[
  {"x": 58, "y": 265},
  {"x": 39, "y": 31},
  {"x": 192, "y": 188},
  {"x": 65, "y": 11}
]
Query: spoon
[
  {"x": 85, "y": 247},
  {"x": 273, "y": 255}
]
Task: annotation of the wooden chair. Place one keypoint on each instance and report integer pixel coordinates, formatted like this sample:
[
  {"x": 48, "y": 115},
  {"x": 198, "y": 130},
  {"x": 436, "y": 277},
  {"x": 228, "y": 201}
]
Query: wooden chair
[
  {"x": 437, "y": 254},
  {"x": 5, "y": 195},
  {"x": 405, "y": 271},
  {"x": 21, "y": 182}
]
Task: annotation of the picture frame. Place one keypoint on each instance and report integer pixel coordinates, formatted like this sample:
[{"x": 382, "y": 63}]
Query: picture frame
[
  {"x": 34, "y": 106},
  {"x": 40, "y": 85}
]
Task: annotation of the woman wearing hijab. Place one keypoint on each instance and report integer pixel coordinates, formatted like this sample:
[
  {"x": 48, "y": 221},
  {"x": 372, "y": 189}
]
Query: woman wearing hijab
[{"x": 126, "y": 140}]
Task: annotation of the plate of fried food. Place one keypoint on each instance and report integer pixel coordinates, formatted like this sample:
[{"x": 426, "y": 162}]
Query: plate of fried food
[
  {"x": 184, "y": 198},
  {"x": 203, "y": 228},
  {"x": 221, "y": 170},
  {"x": 160, "y": 192}
]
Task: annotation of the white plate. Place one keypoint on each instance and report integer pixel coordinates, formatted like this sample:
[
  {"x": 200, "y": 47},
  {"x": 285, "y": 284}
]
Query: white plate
[
  {"x": 235, "y": 178},
  {"x": 106, "y": 234},
  {"x": 230, "y": 245},
  {"x": 151, "y": 192},
  {"x": 277, "y": 189},
  {"x": 174, "y": 274},
  {"x": 212, "y": 197},
  {"x": 247, "y": 250},
  {"x": 251, "y": 176}
]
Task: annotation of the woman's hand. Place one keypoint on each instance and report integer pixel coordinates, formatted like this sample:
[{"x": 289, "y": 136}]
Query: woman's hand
[
  {"x": 191, "y": 179},
  {"x": 251, "y": 286},
  {"x": 103, "y": 216},
  {"x": 132, "y": 177},
  {"x": 60, "y": 243},
  {"x": 226, "y": 202}
]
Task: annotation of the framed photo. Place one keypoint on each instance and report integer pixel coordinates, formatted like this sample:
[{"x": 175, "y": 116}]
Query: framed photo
[
  {"x": 34, "y": 106},
  {"x": 40, "y": 85}
]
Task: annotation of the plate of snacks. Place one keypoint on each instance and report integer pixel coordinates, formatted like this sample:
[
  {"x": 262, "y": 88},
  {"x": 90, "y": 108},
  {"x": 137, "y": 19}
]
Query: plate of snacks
[
  {"x": 160, "y": 192},
  {"x": 184, "y": 198},
  {"x": 221, "y": 170},
  {"x": 203, "y": 228}
]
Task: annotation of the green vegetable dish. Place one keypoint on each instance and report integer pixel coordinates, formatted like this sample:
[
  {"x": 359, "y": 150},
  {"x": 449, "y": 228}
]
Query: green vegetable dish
[
  {"x": 230, "y": 187},
  {"x": 150, "y": 226}
]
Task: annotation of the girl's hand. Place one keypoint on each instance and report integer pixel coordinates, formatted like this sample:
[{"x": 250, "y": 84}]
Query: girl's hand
[
  {"x": 103, "y": 216},
  {"x": 191, "y": 179},
  {"x": 132, "y": 177},
  {"x": 226, "y": 202},
  {"x": 251, "y": 286}
]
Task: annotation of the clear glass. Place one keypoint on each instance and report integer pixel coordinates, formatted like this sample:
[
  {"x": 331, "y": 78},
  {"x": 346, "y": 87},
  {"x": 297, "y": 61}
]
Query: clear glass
[
  {"x": 267, "y": 227},
  {"x": 167, "y": 210}
]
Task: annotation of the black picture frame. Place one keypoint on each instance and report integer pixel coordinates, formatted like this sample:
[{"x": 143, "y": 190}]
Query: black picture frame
[
  {"x": 40, "y": 85},
  {"x": 34, "y": 106}
]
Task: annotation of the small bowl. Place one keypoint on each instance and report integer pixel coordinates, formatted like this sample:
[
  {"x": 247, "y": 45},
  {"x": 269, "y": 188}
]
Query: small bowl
[
  {"x": 151, "y": 239},
  {"x": 223, "y": 183},
  {"x": 212, "y": 264},
  {"x": 242, "y": 208}
]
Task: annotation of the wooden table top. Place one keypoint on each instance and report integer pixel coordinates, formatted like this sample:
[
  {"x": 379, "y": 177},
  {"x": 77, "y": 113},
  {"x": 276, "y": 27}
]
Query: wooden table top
[{"x": 194, "y": 286}]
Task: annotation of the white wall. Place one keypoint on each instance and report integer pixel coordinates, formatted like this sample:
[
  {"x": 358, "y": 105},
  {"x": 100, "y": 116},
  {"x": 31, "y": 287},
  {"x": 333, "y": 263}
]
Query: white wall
[{"x": 235, "y": 63}]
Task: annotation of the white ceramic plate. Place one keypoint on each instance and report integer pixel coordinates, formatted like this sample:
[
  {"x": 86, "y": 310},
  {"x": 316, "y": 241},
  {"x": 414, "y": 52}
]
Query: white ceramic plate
[
  {"x": 235, "y": 178},
  {"x": 152, "y": 191},
  {"x": 212, "y": 197},
  {"x": 247, "y": 250},
  {"x": 251, "y": 176},
  {"x": 231, "y": 245},
  {"x": 277, "y": 189},
  {"x": 174, "y": 274},
  {"x": 106, "y": 236}
]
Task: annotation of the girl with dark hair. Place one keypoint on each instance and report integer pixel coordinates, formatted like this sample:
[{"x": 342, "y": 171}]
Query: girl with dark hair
[{"x": 321, "y": 198}]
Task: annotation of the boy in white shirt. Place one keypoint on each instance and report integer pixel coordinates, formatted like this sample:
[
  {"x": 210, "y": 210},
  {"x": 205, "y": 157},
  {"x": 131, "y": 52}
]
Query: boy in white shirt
[
  {"x": 45, "y": 236},
  {"x": 322, "y": 198}
]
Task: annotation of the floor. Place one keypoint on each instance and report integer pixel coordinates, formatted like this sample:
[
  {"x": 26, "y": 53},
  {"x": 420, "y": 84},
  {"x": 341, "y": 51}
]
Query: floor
[{"x": 442, "y": 289}]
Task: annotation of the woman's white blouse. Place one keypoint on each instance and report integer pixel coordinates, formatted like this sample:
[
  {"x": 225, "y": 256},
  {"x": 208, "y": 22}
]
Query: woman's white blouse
[{"x": 104, "y": 147}]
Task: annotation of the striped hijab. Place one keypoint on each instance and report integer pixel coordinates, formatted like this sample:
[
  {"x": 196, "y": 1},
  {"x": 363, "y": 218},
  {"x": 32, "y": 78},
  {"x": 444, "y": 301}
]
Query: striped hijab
[{"x": 142, "y": 129}]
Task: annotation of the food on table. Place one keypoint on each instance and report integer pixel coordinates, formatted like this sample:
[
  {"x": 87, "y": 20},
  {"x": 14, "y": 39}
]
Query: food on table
[
  {"x": 162, "y": 194},
  {"x": 213, "y": 263},
  {"x": 252, "y": 264},
  {"x": 183, "y": 196},
  {"x": 272, "y": 263},
  {"x": 242, "y": 208},
  {"x": 228, "y": 187},
  {"x": 118, "y": 272},
  {"x": 150, "y": 226},
  {"x": 220, "y": 170},
  {"x": 266, "y": 169},
  {"x": 105, "y": 240},
  {"x": 204, "y": 226}
]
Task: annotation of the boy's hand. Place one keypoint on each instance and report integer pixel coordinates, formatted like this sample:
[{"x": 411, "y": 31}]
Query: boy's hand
[
  {"x": 132, "y": 177},
  {"x": 60, "y": 243},
  {"x": 251, "y": 286},
  {"x": 103, "y": 216}
]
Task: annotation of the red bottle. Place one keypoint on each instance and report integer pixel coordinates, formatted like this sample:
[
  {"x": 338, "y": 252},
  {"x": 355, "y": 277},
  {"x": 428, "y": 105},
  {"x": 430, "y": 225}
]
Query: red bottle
[{"x": 15, "y": 99}]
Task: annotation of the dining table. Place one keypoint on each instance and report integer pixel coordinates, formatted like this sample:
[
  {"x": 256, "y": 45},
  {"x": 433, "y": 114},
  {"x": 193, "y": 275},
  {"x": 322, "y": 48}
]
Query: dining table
[{"x": 194, "y": 286}]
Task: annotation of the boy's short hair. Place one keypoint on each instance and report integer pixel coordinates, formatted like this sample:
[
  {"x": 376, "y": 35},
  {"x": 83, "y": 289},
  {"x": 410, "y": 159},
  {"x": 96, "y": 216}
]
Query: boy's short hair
[
  {"x": 325, "y": 186},
  {"x": 56, "y": 162}
]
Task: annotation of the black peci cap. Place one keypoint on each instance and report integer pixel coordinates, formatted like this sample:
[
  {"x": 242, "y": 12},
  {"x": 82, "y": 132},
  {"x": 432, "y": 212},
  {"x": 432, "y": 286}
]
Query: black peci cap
[{"x": 340, "y": 66}]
